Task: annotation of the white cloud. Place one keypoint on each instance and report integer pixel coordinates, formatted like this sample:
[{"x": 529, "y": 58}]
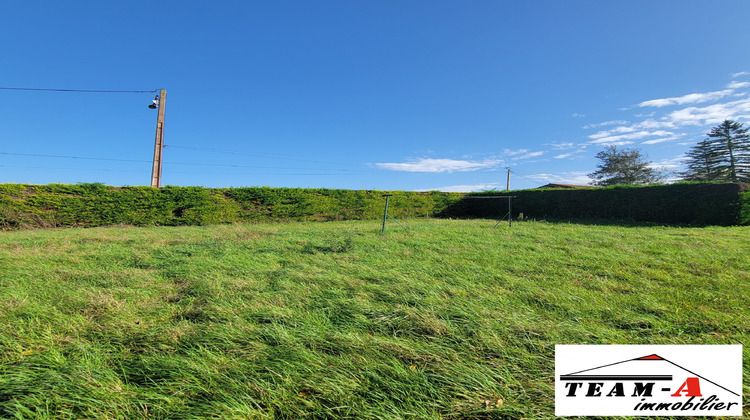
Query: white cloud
[
  {"x": 651, "y": 124},
  {"x": 742, "y": 73},
  {"x": 738, "y": 85},
  {"x": 692, "y": 98},
  {"x": 521, "y": 154},
  {"x": 572, "y": 177},
  {"x": 664, "y": 139},
  {"x": 712, "y": 114},
  {"x": 657, "y": 129},
  {"x": 467, "y": 188},
  {"x": 611, "y": 138},
  {"x": 561, "y": 146},
  {"x": 672, "y": 164},
  {"x": 614, "y": 142},
  {"x": 428, "y": 165},
  {"x": 528, "y": 155},
  {"x": 605, "y": 123},
  {"x": 581, "y": 148},
  {"x": 609, "y": 133},
  {"x": 508, "y": 152}
]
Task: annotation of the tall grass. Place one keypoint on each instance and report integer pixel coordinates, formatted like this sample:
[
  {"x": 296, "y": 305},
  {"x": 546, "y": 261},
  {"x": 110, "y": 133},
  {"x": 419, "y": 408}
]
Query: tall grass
[{"x": 452, "y": 319}]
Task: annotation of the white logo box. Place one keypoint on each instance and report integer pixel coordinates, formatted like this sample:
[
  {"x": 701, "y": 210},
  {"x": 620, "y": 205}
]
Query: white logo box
[{"x": 648, "y": 380}]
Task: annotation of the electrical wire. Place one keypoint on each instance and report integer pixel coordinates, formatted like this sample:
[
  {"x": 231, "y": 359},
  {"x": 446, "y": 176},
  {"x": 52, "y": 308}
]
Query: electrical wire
[
  {"x": 536, "y": 181},
  {"x": 348, "y": 171},
  {"x": 527, "y": 176},
  {"x": 328, "y": 171},
  {"x": 80, "y": 90},
  {"x": 171, "y": 172},
  {"x": 257, "y": 154},
  {"x": 73, "y": 157},
  {"x": 261, "y": 167},
  {"x": 336, "y": 171},
  {"x": 70, "y": 169},
  {"x": 197, "y": 163}
]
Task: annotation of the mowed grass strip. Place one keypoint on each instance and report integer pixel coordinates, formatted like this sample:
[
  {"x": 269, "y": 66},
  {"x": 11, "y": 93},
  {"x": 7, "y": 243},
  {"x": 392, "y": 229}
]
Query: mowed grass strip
[{"x": 452, "y": 319}]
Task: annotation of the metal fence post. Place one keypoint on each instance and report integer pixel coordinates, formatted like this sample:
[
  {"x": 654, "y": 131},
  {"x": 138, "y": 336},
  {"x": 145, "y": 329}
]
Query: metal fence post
[{"x": 385, "y": 212}]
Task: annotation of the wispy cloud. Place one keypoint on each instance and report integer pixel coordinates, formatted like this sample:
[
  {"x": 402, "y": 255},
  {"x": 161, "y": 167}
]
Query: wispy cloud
[
  {"x": 742, "y": 73},
  {"x": 521, "y": 154},
  {"x": 670, "y": 164},
  {"x": 605, "y": 124},
  {"x": 661, "y": 127},
  {"x": 562, "y": 146},
  {"x": 428, "y": 165},
  {"x": 566, "y": 150},
  {"x": 511, "y": 153},
  {"x": 738, "y": 85},
  {"x": 614, "y": 131},
  {"x": 693, "y": 98},
  {"x": 612, "y": 137},
  {"x": 528, "y": 155},
  {"x": 711, "y": 114},
  {"x": 651, "y": 124},
  {"x": 664, "y": 139},
  {"x": 571, "y": 177},
  {"x": 467, "y": 188}
]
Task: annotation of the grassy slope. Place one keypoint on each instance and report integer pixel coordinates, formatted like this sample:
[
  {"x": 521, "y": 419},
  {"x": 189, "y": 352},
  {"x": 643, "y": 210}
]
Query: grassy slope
[{"x": 453, "y": 319}]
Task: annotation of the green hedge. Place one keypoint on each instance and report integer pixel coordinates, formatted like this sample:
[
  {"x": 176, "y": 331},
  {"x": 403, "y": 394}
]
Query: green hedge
[
  {"x": 88, "y": 205},
  {"x": 678, "y": 204}
]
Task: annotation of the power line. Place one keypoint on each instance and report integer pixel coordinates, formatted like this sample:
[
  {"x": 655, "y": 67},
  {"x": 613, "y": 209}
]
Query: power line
[
  {"x": 81, "y": 90},
  {"x": 513, "y": 171},
  {"x": 171, "y": 172},
  {"x": 181, "y": 163},
  {"x": 257, "y": 154},
  {"x": 262, "y": 167},
  {"x": 527, "y": 178},
  {"x": 225, "y": 165},
  {"x": 72, "y": 157},
  {"x": 69, "y": 169}
]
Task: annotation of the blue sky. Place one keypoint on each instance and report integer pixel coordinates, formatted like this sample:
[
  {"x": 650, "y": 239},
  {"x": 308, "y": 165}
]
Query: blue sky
[{"x": 360, "y": 94}]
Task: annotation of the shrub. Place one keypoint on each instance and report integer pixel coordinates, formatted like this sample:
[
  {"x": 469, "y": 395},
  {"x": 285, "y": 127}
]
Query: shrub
[
  {"x": 679, "y": 204},
  {"x": 98, "y": 205}
]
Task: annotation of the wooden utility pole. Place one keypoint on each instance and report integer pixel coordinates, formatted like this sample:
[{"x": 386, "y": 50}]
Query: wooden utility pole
[
  {"x": 507, "y": 185},
  {"x": 161, "y": 104}
]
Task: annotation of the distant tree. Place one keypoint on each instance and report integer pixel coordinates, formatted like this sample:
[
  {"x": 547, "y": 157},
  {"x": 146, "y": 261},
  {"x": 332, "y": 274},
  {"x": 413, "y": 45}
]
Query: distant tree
[
  {"x": 702, "y": 163},
  {"x": 624, "y": 167},
  {"x": 723, "y": 156}
]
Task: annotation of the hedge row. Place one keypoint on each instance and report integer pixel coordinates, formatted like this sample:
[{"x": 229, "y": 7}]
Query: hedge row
[
  {"x": 88, "y": 205},
  {"x": 676, "y": 204}
]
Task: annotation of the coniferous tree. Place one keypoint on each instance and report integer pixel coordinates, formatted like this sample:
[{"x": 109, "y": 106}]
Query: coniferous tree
[
  {"x": 723, "y": 156},
  {"x": 702, "y": 163},
  {"x": 624, "y": 167},
  {"x": 731, "y": 140}
]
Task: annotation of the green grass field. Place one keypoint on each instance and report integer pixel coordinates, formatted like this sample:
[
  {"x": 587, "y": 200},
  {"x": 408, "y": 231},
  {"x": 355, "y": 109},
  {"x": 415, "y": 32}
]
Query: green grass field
[{"x": 452, "y": 319}]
